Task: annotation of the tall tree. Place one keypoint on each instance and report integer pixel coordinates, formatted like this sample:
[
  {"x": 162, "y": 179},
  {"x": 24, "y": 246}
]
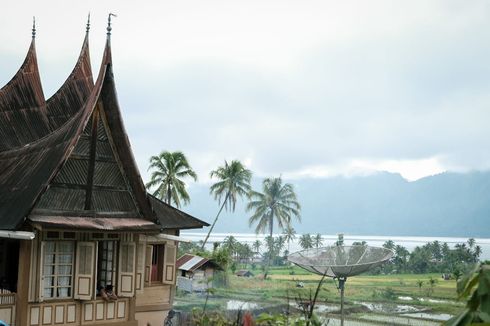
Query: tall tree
[
  {"x": 317, "y": 240},
  {"x": 233, "y": 182},
  {"x": 340, "y": 240},
  {"x": 277, "y": 202},
  {"x": 306, "y": 241},
  {"x": 256, "y": 245},
  {"x": 230, "y": 243},
  {"x": 289, "y": 234},
  {"x": 169, "y": 168}
]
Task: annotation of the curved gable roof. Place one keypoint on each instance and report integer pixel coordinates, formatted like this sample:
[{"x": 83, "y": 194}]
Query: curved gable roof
[
  {"x": 27, "y": 170},
  {"x": 22, "y": 105},
  {"x": 29, "y": 165},
  {"x": 71, "y": 96}
]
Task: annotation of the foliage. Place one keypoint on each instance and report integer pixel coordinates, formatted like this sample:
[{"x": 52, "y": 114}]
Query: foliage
[
  {"x": 340, "y": 240},
  {"x": 277, "y": 202},
  {"x": 475, "y": 288},
  {"x": 233, "y": 182},
  {"x": 386, "y": 294},
  {"x": 432, "y": 284},
  {"x": 433, "y": 257},
  {"x": 265, "y": 319},
  {"x": 169, "y": 168},
  {"x": 317, "y": 240},
  {"x": 201, "y": 318},
  {"x": 256, "y": 245},
  {"x": 274, "y": 246},
  {"x": 306, "y": 241},
  {"x": 189, "y": 248},
  {"x": 289, "y": 234}
]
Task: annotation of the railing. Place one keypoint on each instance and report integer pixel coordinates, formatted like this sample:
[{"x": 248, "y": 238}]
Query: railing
[
  {"x": 7, "y": 307},
  {"x": 7, "y": 298}
]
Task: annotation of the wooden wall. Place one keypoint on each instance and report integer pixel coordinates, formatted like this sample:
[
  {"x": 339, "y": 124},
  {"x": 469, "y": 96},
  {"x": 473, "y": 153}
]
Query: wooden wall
[{"x": 80, "y": 313}]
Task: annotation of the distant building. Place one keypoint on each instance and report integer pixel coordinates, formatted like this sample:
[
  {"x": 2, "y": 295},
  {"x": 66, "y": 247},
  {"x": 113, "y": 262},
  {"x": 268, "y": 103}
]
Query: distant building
[
  {"x": 76, "y": 221},
  {"x": 195, "y": 273},
  {"x": 244, "y": 273}
]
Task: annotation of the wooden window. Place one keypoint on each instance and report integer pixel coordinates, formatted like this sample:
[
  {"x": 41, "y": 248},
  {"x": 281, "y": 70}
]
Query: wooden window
[
  {"x": 84, "y": 279},
  {"x": 57, "y": 275},
  {"x": 52, "y": 235},
  {"x": 140, "y": 266},
  {"x": 160, "y": 264},
  {"x": 154, "y": 263},
  {"x": 106, "y": 263},
  {"x": 69, "y": 235},
  {"x": 169, "y": 264},
  {"x": 157, "y": 263},
  {"x": 127, "y": 269}
]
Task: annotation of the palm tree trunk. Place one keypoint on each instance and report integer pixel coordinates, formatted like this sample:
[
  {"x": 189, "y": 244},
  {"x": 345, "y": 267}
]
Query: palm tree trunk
[
  {"x": 215, "y": 219},
  {"x": 169, "y": 195},
  {"x": 271, "y": 227}
]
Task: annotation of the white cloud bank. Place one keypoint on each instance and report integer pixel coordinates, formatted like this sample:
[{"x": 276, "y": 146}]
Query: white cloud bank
[{"x": 298, "y": 88}]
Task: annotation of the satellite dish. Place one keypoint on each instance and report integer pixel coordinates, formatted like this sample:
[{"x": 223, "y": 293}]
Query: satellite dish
[{"x": 341, "y": 262}]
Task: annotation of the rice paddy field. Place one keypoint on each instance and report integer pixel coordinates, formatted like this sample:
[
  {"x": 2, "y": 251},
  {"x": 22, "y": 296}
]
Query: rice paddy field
[{"x": 370, "y": 299}]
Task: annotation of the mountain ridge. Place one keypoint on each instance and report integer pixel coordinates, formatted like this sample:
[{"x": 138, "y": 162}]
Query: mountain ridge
[{"x": 446, "y": 204}]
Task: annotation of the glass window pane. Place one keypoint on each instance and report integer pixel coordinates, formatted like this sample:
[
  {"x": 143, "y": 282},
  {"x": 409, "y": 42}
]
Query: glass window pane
[
  {"x": 57, "y": 269},
  {"x": 49, "y": 246},
  {"x": 48, "y": 281},
  {"x": 48, "y": 269},
  {"x": 64, "y": 270},
  {"x": 48, "y": 293},
  {"x": 49, "y": 259}
]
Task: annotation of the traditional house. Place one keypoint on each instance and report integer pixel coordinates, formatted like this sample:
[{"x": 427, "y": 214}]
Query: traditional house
[
  {"x": 195, "y": 274},
  {"x": 75, "y": 218}
]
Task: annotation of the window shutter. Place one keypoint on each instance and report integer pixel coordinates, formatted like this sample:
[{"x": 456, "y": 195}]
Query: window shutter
[
  {"x": 127, "y": 269},
  {"x": 140, "y": 268},
  {"x": 148, "y": 256},
  {"x": 169, "y": 264},
  {"x": 41, "y": 274},
  {"x": 84, "y": 271}
]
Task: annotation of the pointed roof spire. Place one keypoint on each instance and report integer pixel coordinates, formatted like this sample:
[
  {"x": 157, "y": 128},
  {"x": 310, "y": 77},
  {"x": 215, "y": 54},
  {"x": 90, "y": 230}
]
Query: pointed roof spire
[
  {"x": 34, "y": 27},
  {"x": 109, "y": 28},
  {"x": 88, "y": 23}
]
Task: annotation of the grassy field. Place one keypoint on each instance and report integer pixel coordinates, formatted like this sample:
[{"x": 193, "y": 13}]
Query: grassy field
[{"x": 386, "y": 291}]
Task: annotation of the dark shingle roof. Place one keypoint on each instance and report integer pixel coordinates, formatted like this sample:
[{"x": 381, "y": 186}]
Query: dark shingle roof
[
  {"x": 53, "y": 172},
  {"x": 172, "y": 218}
]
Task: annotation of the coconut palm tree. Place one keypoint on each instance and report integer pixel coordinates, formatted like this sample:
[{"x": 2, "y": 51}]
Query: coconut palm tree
[
  {"x": 230, "y": 243},
  {"x": 169, "y": 168},
  {"x": 233, "y": 182},
  {"x": 305, "y": 241},
  {"x": 289, "y": 234},
  {"x": 317, "y": 240},
  {"x": 256, "y": 245},
  {"x": 277, "y": 202}
]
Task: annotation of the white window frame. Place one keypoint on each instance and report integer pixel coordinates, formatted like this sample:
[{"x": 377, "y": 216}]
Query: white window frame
[{"x": 56, "y": 253}]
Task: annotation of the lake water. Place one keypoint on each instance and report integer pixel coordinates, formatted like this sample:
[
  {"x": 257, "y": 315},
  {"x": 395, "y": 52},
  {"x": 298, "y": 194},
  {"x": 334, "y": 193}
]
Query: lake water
[{"x": 408, "y": 242}]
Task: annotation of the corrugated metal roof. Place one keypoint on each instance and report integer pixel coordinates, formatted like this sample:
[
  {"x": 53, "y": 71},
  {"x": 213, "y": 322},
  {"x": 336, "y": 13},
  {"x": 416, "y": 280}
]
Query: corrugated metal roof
[
  {"x": 190, "y": 265},
  {"x": 95, "y": 223}
]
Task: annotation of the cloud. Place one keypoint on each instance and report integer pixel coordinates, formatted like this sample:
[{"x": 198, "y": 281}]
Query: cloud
[{"x": 307, "y": 88}]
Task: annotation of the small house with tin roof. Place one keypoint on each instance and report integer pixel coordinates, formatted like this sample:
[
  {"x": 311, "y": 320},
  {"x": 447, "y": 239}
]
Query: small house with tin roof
[{"x": 195, "y": 273}]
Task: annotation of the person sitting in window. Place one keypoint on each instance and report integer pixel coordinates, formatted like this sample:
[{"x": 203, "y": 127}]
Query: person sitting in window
[{"x": 107, "y": 293}]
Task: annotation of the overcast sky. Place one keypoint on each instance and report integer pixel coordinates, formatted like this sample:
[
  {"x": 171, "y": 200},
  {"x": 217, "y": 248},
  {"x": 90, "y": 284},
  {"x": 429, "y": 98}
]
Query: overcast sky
[{"x": 299, "y": 88}]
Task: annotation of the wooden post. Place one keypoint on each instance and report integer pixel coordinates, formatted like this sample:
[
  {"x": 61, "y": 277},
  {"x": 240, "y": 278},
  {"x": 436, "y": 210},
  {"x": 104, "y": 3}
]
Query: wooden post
[{"x": 21, "y": 302}]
